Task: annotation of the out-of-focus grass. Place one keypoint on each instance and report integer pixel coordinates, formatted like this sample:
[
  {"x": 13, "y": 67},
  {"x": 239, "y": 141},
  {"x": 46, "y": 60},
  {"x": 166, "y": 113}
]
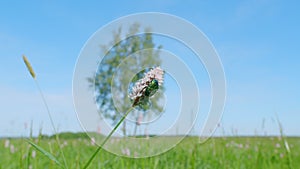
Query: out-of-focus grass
[{"x": 221, "y": 152}]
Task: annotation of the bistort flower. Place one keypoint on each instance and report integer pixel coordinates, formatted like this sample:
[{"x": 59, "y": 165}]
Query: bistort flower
[{"x": 147, "y": 86}]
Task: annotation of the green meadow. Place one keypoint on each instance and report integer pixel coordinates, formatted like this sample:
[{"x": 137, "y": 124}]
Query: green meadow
[{"x": 217, "y": 152}]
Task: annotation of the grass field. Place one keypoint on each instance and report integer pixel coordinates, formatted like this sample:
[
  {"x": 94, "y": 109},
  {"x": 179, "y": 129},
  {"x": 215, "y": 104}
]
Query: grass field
[{"x": 218, "y": 152}]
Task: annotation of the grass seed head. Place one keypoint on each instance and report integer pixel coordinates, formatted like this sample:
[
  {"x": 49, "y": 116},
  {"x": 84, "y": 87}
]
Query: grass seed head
[{"x": 27, "y": 63}]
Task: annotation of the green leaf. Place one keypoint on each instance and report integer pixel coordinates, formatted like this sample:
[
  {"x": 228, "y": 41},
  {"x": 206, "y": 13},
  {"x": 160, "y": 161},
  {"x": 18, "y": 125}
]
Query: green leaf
[{"x": 47, "y": 154}]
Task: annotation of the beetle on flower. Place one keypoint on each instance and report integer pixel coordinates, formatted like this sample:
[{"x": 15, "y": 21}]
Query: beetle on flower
[{"x": 147, "y": 86}]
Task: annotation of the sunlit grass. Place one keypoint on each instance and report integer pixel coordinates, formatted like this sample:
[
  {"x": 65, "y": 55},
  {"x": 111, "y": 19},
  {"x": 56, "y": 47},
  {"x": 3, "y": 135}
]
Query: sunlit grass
[{"x": 222, "y": 152}]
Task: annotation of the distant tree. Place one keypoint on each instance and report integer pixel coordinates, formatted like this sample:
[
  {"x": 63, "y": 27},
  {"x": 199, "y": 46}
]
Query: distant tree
[{"x": 109, "y": 65}]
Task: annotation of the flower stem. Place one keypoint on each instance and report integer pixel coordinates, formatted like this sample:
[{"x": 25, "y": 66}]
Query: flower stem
[{"x": 107, "y": 138}]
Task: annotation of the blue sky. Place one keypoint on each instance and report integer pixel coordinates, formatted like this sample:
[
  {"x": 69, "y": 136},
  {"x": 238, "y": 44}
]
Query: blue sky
[{"x": 257, "y": 41}]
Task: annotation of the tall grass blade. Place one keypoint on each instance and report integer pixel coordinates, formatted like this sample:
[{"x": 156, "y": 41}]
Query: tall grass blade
[
  {"x": 286, "y": 144},
  {"x": 44, "y": 152},
  {"x": 30, "y": 69}
]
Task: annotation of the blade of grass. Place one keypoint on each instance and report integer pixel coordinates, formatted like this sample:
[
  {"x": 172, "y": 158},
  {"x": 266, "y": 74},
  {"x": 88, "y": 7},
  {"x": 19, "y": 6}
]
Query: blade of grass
[
  {"x": 32, "y": 73},
  {"x": 52, "y": 123},
  {"x": 285, "y": 143},
  {"x": 44, "y": 152},
  {"x": 29, "y": 148}
]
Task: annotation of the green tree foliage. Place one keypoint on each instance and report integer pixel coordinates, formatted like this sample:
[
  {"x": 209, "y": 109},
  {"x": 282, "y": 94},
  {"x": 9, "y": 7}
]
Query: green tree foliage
[{"x": 104, "y": 76}]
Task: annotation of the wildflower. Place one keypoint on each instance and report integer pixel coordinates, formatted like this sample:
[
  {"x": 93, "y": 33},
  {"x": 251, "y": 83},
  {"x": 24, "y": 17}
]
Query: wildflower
[
  {"x": 140, "y": 119},
  {"x": 33, "y": 154},
  {"x": 277, "y": 145},
  {"x": 93, "y": 141},
  {"x": 147, "y": 86},
  {"x": 126, "y": 151},
  {"x": 12, "y": 149},
  {"x": 6, "y": 143}
]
